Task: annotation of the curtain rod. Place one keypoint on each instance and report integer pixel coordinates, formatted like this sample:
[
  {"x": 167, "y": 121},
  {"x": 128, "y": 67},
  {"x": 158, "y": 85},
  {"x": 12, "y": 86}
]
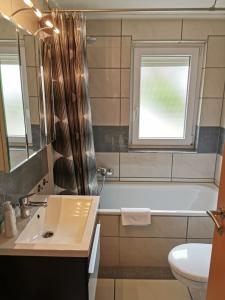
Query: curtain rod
[{"x": 121, "y": 10}]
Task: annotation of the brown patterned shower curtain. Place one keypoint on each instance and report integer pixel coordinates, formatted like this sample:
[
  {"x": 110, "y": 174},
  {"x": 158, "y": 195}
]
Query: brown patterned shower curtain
[{"x": 75, "y": 164}]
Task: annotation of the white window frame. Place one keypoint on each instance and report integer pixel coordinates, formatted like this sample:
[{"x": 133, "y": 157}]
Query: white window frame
[
  {"x": 193, "y": 49},
  {"x": 10, "y": 47}
]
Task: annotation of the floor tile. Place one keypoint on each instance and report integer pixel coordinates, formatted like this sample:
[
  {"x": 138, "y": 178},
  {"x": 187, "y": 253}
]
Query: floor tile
[
  {"x": 150, "y": 290},
  {"x": 105, "y": 289}
]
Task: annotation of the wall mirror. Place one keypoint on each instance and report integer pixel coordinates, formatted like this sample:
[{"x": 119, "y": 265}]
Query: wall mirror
[{"x": 23, "y": 127}]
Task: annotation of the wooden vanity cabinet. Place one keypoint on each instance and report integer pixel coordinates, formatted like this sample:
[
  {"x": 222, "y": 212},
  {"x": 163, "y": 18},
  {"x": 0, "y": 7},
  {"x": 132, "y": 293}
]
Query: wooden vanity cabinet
[{"x": 50, "y": 278}]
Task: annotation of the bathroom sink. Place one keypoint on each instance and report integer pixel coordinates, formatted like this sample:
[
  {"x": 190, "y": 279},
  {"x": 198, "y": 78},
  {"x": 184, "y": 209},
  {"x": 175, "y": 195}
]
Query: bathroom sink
[{"x": 66, "y": 224}]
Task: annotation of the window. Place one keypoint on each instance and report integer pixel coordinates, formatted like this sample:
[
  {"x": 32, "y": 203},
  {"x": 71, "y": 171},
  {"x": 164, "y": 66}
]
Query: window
[
  {"x": 165, "y": 95},
  {"x": 13, "y": 99}
]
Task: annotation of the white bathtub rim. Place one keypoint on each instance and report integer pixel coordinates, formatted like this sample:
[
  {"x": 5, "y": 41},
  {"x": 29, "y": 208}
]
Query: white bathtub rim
[{"x": 171, "y": 213}]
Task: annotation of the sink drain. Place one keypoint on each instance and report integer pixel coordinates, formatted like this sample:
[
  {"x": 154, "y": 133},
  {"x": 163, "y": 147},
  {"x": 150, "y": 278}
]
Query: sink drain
[{"x": 47, "y": 234}]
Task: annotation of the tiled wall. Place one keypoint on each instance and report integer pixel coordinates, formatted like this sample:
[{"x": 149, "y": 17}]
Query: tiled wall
[
  {"x": 148, "y": 246},
  {"x": 109, "y": 70}
]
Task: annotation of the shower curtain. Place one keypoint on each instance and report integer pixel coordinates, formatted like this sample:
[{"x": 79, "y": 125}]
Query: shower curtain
[{"x": 75, "y": 164}]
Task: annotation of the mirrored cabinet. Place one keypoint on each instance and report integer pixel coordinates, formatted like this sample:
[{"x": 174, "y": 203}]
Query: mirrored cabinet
[{"x": 24, "y": 104}]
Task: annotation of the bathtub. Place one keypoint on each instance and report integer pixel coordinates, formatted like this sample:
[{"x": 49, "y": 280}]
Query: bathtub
[
  {"x": 178, "y": 217},
  {"x": 179, "y": 199}
]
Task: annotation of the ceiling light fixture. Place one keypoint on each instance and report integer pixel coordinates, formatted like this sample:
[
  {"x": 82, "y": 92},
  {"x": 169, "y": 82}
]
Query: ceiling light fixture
[
  {"x": 56, "y": 30},
  {"x": 38, "y": 13},
  {"x": 28, "y": 3},
  {"x": 49, "y": 24},
  {"x": 18, "y": 25}
]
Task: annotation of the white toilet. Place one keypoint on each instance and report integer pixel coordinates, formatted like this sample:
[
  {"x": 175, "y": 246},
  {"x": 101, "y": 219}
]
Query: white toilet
[{"x": 190, "y": 265}]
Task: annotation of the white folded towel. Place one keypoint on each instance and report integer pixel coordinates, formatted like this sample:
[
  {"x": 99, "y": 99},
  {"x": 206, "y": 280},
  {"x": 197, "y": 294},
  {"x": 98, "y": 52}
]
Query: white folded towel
[{"x": 135, "y": 216}]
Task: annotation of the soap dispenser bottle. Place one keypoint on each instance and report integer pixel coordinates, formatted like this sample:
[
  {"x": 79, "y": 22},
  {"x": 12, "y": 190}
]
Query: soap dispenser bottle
[{"x": 9, "y": 220}]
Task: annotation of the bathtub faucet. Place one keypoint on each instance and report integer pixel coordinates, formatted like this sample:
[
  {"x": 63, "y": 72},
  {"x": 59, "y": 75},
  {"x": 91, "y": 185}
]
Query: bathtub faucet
[{"x": 104, "y": 172}]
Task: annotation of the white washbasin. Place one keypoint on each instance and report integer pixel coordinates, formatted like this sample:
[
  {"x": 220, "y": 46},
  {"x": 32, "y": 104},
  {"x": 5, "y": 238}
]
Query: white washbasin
[{"x": 68, "y": 221}]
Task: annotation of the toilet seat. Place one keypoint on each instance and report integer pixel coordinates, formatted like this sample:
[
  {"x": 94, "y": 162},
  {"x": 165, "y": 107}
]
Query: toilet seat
[{"x": 191, "y": 261}]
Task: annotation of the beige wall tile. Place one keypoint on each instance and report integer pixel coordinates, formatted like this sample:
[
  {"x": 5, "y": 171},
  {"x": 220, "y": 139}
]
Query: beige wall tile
[
  {"x": 34, "y": 110},
  {"x": 30, "y": 50},
  {"x": 104, "y": 83},
  {"x": 109, "y": 225},
  {"x": 109, "y": 160},
  {"x": 211, "y": 112},
  {"x": 105, "y": 289},
  {"x": 152, "y": 29},
  {"x": 104, "y": 27},
  {"x": 109, "y": 251},
  {"x": 219, "y": 159},
  {"x": 160, "y": 227},
  {"x": 146, "y": 252},
  {"x": 125, "y": 83},
  {"x": 150, "y": 290},
  {"x": 200, "y": 227},
  {"x": 7, "y": 30},
  {"x": 104, "y": 53},
  {"x": 125, "y": 111},
  {"x": 105, "y": 111},
  {"x": 126, "y": 52},
  {"x": 200, "y": 29},
  {"x": 216, "y": 51},
  {"x": 145, "y": 164},
  {"x": 194, "y": 165},
  {"x": 32, "y": 81},
  {"x": 214, "y": 83}
]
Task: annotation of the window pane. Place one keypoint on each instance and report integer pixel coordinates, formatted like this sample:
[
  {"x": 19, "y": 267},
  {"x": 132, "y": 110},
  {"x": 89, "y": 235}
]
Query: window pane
[
  {"x": 163, "y": 96},
  {"x": 13, "y": 101}
]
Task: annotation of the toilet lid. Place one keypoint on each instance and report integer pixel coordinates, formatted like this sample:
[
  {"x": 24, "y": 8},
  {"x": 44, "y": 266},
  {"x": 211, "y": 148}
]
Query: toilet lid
[{"x": 191, "y": 261}]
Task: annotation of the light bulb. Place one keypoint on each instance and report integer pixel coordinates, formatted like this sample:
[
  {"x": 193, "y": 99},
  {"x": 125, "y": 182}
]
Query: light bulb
[
  {"x": 49, "y": 24},
  {"x": 28, "y": 2},
  {"x": 18, "y": 25},
  {"x": 38, "y": 13},
  {"x": 56, "y": 30}
]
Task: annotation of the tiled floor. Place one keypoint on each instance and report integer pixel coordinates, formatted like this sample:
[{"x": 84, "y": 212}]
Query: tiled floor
[{"x": 128, "y": 289}]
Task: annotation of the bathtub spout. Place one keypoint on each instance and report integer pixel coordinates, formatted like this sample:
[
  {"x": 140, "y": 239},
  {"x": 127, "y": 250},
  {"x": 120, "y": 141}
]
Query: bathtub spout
[{"x": 103, "y": 172}]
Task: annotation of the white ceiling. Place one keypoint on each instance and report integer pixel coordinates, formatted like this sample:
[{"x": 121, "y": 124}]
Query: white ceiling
[{"x": 96, "y": 4}]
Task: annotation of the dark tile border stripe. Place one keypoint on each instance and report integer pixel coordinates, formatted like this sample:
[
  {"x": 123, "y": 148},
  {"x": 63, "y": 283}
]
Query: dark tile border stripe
[
  {"x": 221, "y": 140},
  {"x": 208, "y": 138},
  {"x": 115, "y": 139},
  {"x": 22, "y": 180},
  {"x": 111, "y": 138}
]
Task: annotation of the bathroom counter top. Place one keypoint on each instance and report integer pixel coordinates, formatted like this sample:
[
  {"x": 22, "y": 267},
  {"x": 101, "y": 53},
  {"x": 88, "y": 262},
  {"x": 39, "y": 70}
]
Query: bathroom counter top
[{"x": 68, "y": 241}]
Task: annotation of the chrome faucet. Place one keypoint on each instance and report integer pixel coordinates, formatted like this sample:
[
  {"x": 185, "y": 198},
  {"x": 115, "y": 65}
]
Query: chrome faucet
[
  {"x": 104, "y": 171},
  {"x": 25, "y": 204}
]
